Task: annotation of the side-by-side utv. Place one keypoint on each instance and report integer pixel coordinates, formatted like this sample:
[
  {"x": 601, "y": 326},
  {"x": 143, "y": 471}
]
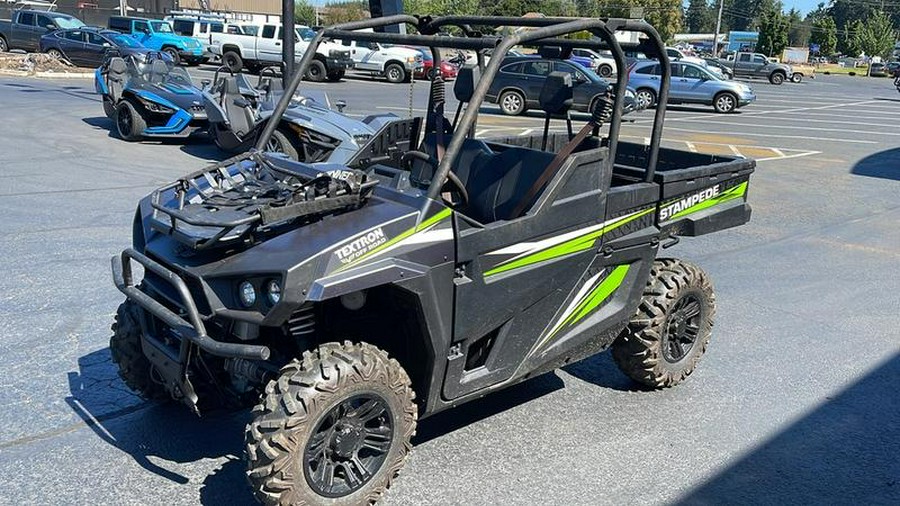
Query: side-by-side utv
[{"x": 432, "y": 268}]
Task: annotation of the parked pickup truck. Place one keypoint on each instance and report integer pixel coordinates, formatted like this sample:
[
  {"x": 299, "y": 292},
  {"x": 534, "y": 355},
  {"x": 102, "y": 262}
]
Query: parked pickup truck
[
  {"x": 757, "y": 65},
  {"x": 158, "y": 34},
  {"x": 25, "y": 29},
  {"x": 254, "y": 49},
  {"x": 397, "y": 64}
]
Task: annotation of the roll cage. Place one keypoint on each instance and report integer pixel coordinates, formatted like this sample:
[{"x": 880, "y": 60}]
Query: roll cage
[{"x": 538, "y": 32}]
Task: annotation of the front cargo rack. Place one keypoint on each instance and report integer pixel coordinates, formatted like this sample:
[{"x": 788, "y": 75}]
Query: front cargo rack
[{"x": 248, "y": 197}]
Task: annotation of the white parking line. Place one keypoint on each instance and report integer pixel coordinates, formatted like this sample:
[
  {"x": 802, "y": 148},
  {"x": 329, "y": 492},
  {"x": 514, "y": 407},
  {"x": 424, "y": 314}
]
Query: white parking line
[
  {"x": 842, "y": 121},
  {"x": 800, "y": 137},
  {"x": 796, "y": 155},
  {"x": 690, "y": 146},
  {"x": 794, "y": 127},
  {"x": 761, "y": 113},
  {"x": 735, "y": 150}
]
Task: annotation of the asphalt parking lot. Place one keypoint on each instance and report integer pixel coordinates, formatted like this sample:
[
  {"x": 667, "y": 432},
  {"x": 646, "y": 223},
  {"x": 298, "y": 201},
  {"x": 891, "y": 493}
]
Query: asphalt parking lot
[{"x": 795, "y": 401}]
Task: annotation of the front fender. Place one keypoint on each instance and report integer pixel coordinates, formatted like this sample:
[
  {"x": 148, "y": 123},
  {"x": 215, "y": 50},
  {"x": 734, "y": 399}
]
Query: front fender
[{"x": 381, "y": 273}]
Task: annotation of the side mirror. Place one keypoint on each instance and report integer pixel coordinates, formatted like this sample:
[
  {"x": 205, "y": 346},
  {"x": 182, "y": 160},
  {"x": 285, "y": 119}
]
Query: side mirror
[
  {"x": 50, "y": 27},
  {"x": 340, "y": 104},
  {"x": 373, "y": 46},
  {"x": 107, "y": 44}
]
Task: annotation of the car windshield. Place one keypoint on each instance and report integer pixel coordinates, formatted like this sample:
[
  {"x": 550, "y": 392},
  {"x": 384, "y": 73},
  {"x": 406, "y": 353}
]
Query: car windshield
[
  {"x": 67, "y": 22},
  {"x": 305, "y": 34},
  {"x": 125, "y": 41},
  {"x": 161, "y": 27}
]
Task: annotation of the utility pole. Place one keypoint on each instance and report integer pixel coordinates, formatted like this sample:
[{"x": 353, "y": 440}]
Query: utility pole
[
  {"x": 123, "y": 8},
  {"x": 718, "y": 27}
]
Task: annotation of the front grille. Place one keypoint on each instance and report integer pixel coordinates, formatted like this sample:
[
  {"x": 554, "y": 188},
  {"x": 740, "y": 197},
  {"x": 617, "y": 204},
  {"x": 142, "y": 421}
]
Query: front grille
[
  {"x": 339, "y": 53},
  {"x": 197, "y": 108}
]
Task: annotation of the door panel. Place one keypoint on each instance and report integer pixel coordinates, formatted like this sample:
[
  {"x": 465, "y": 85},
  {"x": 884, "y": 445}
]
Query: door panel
[{"x": 516, "y": 274}]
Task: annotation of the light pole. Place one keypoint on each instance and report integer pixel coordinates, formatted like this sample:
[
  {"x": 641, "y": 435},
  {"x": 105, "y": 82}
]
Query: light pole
[{"x": 718, "y": 27}]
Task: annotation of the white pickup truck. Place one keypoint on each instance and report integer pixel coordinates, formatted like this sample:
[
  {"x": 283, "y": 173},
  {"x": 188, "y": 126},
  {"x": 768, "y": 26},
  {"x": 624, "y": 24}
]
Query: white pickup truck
[
  {"x": 395, "y": 63},
  {"x": 256, "y": 47}
]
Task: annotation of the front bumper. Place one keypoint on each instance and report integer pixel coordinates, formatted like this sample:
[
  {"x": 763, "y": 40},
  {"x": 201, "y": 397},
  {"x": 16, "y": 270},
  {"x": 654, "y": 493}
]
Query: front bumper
[
  {"x": 339, "y": 63},
  {"x": 193, "y": 54},
  {"x": 186, "y": 329}
]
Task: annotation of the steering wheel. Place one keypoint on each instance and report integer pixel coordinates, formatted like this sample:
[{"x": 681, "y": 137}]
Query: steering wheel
[{"x": 408, "y": 157}]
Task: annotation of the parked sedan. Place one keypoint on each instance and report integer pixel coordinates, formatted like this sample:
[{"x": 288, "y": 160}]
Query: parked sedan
[
  {"x": 690, "y": 84},
  {"x": 86, "y": 46},
  {"x": 426, "y": 71},
  {"x": 519, "y": 82}
]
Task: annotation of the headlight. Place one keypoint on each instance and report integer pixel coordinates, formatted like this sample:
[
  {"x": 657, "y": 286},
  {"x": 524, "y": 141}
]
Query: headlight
[
  {"x": 273, "y": 292},
  {"x": 154, "y": 107},
  {"x": 411, "y": 59},
  {"x": 247, "y": 294}
]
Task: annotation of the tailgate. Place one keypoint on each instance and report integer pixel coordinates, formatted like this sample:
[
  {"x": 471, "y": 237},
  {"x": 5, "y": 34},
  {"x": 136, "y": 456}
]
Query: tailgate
[{"x": 699, "y": 193}]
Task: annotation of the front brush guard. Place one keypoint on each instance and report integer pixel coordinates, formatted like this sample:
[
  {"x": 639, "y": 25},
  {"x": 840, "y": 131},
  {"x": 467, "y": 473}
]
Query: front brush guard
[{"x": 192, "y": 332}]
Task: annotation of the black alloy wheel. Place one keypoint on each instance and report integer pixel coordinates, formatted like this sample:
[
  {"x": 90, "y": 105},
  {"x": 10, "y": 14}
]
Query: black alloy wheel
[{"x": 349, "y": 445}]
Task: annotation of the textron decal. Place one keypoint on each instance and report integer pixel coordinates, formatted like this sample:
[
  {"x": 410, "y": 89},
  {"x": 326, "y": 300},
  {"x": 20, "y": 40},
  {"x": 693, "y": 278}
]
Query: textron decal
[
  {"x": 699, "y": 201},
  {"x": 374, "y": 242},
  {"x": 529, "y": 253},
  {"x": 589, "y": 297}
]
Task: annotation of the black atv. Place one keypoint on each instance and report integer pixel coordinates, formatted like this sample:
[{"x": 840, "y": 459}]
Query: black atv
[{"x": 349, "y": 301}]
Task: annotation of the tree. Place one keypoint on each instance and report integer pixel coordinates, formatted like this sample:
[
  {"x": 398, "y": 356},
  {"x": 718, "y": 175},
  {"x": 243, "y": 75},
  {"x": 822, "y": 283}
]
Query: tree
[
  {"x": 850, "y": 42},
  {"x": 824, "y": 33},
  {"x": 773, "y": 32},
  {"x": 798, "y": 35},
  {"x": 700, "y": 16},
  {"x": 665, "y": 16},
  {"x": 876, "y": 37},
  {"x": 747, "y": 14},
  {"x": 304, "y": 13},
  {"x": 342, "y": 12}
]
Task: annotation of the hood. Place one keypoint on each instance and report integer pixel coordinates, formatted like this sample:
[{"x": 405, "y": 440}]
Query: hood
[{"x": 321, "y": 119}]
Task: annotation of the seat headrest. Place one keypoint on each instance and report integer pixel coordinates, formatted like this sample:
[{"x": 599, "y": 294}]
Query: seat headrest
[
  {"x": 159, "y": 68},
  {"x": 556, "y": 95},
  {"x": 230, "y": 85},
  {"x": 466, "y": 80},
  {"x": 117, "y": 65},
  {"x": 555, "y": 52}
]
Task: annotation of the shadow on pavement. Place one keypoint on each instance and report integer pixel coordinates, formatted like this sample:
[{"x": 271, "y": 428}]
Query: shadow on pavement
[
  {"x": 844, "y": 452},
  {"x": 884, "y": 164},
  {"x": 149, "y": 431},
  {"x": 601, "y": 370},
  {"x": 166, "y": 431}
]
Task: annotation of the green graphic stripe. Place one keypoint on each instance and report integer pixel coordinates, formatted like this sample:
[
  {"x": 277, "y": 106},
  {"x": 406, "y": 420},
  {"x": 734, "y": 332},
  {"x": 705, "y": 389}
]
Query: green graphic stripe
[
  {"x": 599, "y": 294},
  {"x": 576, "y": 245},
  {"x": 592, "y": 300},
  {"x": 731, "y": 194},
  {"x": 430, "y": 222}
]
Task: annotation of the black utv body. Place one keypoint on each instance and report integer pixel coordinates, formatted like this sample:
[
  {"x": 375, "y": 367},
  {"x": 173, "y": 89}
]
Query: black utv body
[{"x": 348, "y": 301}]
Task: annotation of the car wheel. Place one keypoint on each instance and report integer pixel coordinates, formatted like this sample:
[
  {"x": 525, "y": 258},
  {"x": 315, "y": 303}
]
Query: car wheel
[
  {"x": 725, "y": 102},
  {"x": 56, "y": 53},
  {"x": 796, "y": 77},
  {"x": 395, "y": 73},
  {"x": 4, "y": 47},
  {"x": 646, "y": 98},
  {"x": 512, "y": 102},
  {"x": 173, "y": 54},
  {"x": 670, "y": 330},
  {"x": 280, "y": 143},
  {"x": 336, "y": 76},
  {"x": 130, "y": 124},
  {"x": 233, "y": 61},
  {"x": 605, "y": 70},
  {"x": 776, "y": 78},
  {"x": 334, "y": 428},
  {"x": 317, "y": 72}
]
